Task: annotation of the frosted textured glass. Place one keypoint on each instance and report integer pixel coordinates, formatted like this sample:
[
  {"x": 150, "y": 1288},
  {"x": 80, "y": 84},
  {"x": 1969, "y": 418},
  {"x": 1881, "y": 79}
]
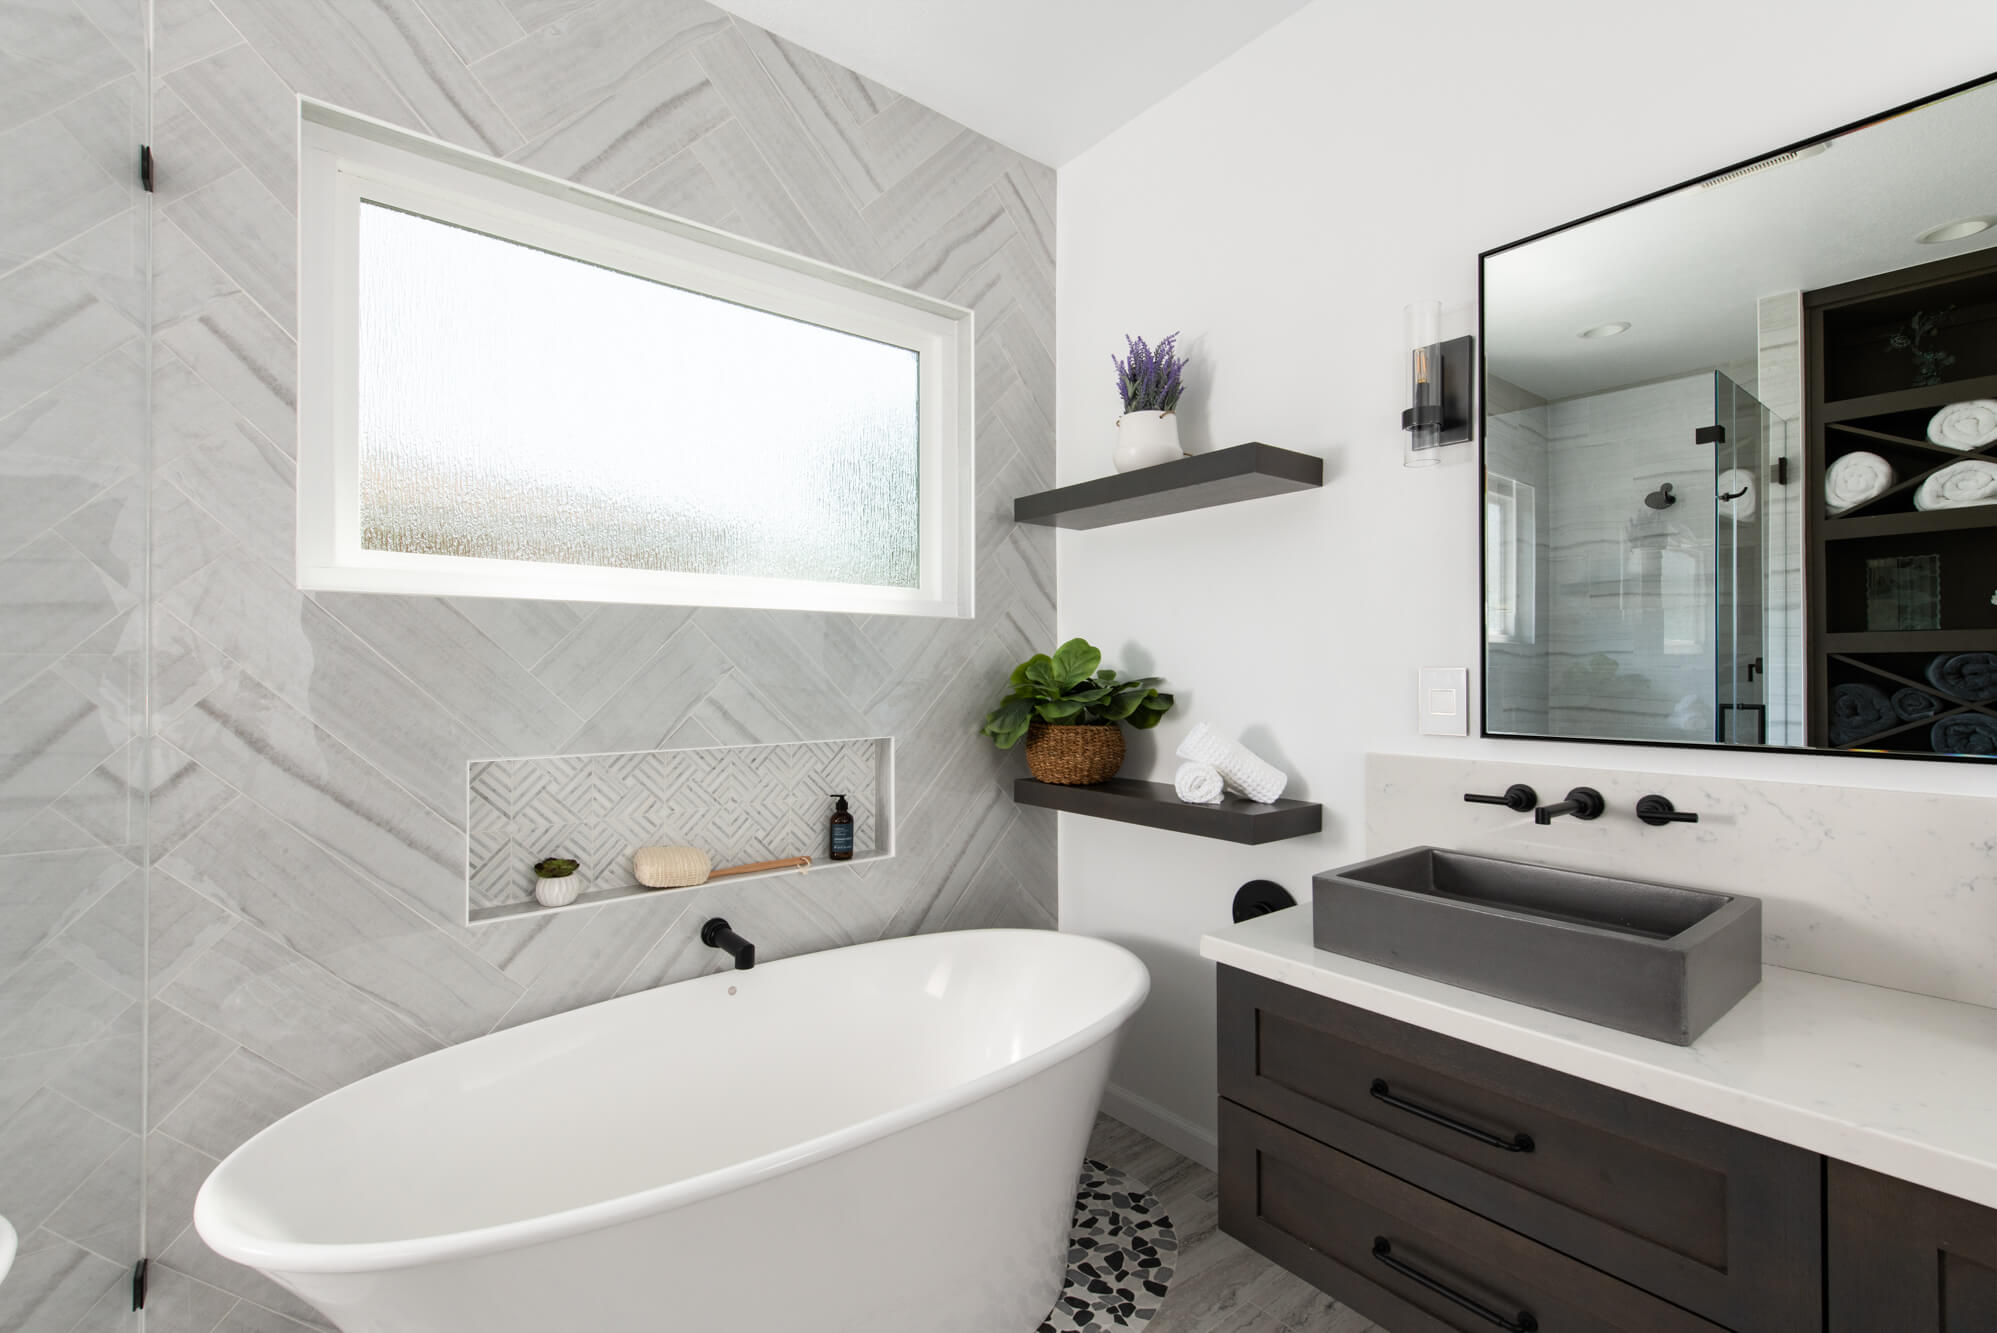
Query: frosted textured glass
[{"x": 521, "y": 405}]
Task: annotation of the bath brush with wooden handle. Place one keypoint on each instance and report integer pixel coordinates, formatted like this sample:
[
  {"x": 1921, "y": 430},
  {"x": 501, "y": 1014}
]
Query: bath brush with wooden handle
[{"x": 684, "y": 867}]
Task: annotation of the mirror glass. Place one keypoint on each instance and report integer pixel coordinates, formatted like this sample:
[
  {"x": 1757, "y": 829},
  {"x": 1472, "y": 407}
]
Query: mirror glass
[{"x": 1740, "y": 454}]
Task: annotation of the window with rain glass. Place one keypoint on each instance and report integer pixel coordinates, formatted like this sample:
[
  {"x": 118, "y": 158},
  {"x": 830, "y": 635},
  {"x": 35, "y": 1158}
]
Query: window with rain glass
[{"x": 515, "y": 387}]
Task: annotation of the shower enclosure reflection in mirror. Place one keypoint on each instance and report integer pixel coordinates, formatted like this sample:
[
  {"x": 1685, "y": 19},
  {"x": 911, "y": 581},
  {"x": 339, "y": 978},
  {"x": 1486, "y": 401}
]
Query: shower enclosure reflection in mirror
[{"x": 1740, "y": 453}]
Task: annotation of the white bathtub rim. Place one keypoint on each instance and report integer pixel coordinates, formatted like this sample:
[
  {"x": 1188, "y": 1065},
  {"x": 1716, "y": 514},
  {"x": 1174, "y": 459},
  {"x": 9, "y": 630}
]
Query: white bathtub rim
[{"x": 278, "y": 1256}]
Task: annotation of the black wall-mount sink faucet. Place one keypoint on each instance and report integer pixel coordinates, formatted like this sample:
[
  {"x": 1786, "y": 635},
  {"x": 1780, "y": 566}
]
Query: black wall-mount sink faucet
[
  {"x": 1582, "y": 803},
  {"x": 716, "y": 935}
]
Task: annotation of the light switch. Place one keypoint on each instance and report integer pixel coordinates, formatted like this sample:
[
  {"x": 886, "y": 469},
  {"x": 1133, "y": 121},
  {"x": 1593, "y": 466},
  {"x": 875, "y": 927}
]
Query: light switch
[{"x": 1443, "y": 699}]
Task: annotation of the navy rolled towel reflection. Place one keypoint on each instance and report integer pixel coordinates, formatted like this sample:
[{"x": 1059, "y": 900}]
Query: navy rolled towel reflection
[
  {"x": 1858, "y": 711},
  {"x": 1911, "y": 705},
  {"x": 1968, "y": 676},
  {"x": 1968, "y": 734}
]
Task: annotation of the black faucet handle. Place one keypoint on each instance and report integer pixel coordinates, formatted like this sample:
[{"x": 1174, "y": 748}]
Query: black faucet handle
[
  {"x": 1658, "y": 811},
  {"x": 1517, "y": 797}
]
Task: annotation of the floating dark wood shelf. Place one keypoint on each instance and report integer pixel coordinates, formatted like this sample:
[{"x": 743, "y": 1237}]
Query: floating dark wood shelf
[
  {"x": 1913, "y": 641},
  {"x": 1936, "y": 396},
  {"x": 1896, "y": 525},
  {"x": 1198, "y": 481},
  {"x": 1157, "y": 805}
]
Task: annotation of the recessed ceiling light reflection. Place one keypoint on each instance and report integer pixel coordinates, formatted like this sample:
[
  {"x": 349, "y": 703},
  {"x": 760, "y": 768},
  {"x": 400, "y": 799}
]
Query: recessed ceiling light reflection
[
  {"x": 1960, "y": 229},
  {"x": 1605, "y": 330}
]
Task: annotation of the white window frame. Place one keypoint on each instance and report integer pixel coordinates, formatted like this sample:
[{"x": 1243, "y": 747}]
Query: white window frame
[{"x": 347, "y": 159}]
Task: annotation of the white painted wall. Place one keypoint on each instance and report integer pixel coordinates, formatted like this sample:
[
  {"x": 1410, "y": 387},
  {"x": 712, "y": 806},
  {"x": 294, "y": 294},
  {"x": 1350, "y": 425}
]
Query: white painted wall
[{"x": 1281, "y": 210}]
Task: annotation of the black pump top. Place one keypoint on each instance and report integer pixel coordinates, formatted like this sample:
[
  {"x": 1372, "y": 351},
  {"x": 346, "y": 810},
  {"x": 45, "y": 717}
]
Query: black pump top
[{"x": 841, "y": 808}]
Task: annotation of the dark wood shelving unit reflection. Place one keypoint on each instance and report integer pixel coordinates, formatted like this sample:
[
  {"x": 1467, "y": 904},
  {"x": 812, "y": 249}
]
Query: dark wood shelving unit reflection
[{"x": 1851, "y": 403}]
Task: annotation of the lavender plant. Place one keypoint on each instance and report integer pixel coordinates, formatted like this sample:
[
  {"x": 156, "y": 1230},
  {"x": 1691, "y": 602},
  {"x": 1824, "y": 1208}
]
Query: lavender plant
[{"x": 1150, "y": 379}]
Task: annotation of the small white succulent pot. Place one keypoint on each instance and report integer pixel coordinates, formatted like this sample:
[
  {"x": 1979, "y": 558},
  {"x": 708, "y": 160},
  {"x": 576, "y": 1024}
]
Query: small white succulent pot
[
  {"x": 1146, "y": 439},
  {"x": 555, "y": 886}
]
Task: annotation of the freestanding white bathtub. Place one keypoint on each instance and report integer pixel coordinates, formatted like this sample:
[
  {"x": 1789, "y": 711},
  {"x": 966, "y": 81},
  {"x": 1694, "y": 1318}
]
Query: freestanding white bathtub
[{"x": 880, "y": 1138}]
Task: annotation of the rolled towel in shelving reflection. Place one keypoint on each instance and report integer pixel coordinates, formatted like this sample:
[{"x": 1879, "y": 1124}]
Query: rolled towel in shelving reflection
[
  {"x": 1858, "y": 711},
  {"x": 1856, "y": 478},
  {"x": 1969, "y": 733},
  {"x": 1240, "y": 769},
  {"x": 1911, "y": 705},
  {"x": 1973, "y": 481},
  {"x": 1737, "y": 494},
  {"x": 1969, "y": 425},
  {"x": 1198, "y": 784},
  {"x": 1971, "y": 677}
]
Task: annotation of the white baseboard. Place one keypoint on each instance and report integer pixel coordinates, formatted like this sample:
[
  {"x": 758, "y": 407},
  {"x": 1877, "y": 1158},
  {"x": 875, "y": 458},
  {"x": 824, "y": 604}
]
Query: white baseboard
[{"x": 1173, "y": 1130}]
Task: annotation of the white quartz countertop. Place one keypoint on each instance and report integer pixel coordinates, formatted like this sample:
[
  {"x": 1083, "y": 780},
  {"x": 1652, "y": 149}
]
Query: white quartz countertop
[{"x": 1902, "y": 1084}]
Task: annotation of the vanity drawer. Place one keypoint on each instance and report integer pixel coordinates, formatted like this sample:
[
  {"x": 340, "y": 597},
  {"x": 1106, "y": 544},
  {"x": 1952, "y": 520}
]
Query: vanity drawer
[
  {"x": 1723, "y": 1222},
  {"x": 1405, "y": 1258}
]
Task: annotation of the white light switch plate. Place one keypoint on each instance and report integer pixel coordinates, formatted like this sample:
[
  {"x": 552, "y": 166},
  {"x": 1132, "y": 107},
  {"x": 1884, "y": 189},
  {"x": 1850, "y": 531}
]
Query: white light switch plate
[{"x": 1443, "y": 701}]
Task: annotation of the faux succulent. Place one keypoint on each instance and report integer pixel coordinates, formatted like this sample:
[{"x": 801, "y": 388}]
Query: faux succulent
[
  {"x": 1072, "y": 688},
  {"x": 1150, "y": 379},
  {"x": 555, "y": 867}
]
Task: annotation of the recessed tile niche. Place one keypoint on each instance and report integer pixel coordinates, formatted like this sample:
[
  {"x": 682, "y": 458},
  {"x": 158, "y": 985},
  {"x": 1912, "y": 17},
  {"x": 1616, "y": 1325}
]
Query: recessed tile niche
[{"x": 738, "y": 804}]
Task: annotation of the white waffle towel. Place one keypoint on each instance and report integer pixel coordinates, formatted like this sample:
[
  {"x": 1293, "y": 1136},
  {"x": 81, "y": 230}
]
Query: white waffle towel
[
  {"x": 1198, "y": 784},
  {"x": 1973, "y": 481},
  {"x": 1856, "y": 478},
  {"x": 1969, "y": 425},
  {"x": 1241, "y": 770}
]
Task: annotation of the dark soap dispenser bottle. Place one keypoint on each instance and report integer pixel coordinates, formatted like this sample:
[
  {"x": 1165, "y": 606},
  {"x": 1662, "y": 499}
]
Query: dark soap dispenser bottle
[{"x": 842, "y": 832}]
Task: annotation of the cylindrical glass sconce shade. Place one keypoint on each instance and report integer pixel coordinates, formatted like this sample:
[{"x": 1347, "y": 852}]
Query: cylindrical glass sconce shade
[{"x": 1424, "y": 434}]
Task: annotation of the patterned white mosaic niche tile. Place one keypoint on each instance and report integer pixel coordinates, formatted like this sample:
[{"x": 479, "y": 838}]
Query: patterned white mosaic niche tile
[{"x": 738, "y": 804}]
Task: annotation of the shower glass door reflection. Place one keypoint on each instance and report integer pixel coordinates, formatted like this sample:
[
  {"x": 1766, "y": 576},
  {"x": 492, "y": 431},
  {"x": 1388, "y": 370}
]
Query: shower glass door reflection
[{"x": 1742, "y": 475}]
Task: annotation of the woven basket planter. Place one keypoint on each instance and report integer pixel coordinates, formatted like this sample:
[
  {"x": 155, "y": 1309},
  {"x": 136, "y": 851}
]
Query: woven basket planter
[{"x": 1074, "y": 756}]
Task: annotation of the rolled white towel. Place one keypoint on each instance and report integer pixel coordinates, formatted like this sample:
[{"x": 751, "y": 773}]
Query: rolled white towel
[
  {"x": 1856, "y": 478},
  {"x": 1969, "y": 425},
  {"x": 1240, "y": 769},
  {"x": 1198, "y": 784},
  {"x": 1738, "y": 483},
  {"x": 1973, "y": 481}
]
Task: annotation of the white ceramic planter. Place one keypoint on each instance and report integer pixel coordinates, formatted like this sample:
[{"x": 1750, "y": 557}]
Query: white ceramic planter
[
  {"x": 1146, "y": 439},
  {"x": 558, "y": 891}
]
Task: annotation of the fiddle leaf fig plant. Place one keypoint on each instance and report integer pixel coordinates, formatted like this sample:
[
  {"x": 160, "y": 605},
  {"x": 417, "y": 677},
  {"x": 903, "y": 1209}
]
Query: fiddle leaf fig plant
[{"x": 1072, "y": 688}]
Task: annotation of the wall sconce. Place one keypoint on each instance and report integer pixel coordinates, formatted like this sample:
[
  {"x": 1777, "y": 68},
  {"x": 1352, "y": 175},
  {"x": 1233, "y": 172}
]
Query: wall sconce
[{"x": 1439, "y": 401}]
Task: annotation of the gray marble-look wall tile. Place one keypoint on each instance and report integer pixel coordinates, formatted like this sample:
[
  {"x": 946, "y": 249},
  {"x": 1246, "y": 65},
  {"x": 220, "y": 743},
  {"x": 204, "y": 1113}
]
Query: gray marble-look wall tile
[
  {"x": 56, "y": 1283},
  {"x": 238, "y": 351},
  {"x": 246, "y": 232},
  {"x": 258, "y": 618},
  {"x": 259, "y": 868},
  {"x": 273, "y": 755},
  {"x": 51, "y": 188},
  {"x": 475, "y": 28},
  {"x": 292, "y": 1012},
  {"x": 613, "y": 142},
  {"x": 50, "y": 53},
  {"x": 235, "y": 96},
  {"x": 52, "y": 325},
  {"x": 594, "y": 53}
]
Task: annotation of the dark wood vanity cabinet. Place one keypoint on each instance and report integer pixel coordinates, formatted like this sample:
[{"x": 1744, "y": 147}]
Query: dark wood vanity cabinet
[
  {"x": 1433, "y": 1184},
  {"x": 1905, "y": 1258}
]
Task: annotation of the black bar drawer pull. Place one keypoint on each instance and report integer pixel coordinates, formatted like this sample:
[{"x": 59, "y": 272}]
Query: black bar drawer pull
[
  {"x": 1520, "y": 1142},
  {"x": 1523, "y": 1323}
]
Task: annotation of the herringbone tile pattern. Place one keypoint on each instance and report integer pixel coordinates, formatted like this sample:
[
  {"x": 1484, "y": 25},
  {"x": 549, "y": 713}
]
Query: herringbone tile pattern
[{"x": 308, "y": 816}]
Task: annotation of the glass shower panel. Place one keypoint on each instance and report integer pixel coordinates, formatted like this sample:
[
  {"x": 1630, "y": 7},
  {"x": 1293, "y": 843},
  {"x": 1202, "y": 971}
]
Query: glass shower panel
[
  {"x": 74, "y": 325},
  {"x": 1740, "y": 565}
]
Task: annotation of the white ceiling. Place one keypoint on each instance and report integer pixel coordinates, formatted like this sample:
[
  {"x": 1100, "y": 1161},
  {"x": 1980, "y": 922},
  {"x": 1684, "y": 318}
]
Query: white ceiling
[
  {"x": 1048, "y": 78},
  {"x": 1686, "y": 270}
]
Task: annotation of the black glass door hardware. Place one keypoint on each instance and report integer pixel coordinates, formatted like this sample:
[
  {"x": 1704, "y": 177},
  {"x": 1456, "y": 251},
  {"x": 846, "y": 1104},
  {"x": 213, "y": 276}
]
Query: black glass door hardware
[{"x": 1760, "y": 712}]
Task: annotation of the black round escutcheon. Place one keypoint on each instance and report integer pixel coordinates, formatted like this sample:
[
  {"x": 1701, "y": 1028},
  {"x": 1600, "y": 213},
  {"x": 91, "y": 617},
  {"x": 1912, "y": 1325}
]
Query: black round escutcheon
[{"x": 1259, "y": 897}]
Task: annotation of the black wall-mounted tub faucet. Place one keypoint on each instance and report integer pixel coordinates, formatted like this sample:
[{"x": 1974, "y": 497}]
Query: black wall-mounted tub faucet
[
  {"x": 1582, "y": 803},
  {"x": 716, "y": 935}
]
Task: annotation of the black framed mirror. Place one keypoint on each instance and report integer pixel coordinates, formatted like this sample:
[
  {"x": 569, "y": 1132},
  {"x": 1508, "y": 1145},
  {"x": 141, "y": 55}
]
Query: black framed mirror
[{"x": 1739, "y": 453}]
